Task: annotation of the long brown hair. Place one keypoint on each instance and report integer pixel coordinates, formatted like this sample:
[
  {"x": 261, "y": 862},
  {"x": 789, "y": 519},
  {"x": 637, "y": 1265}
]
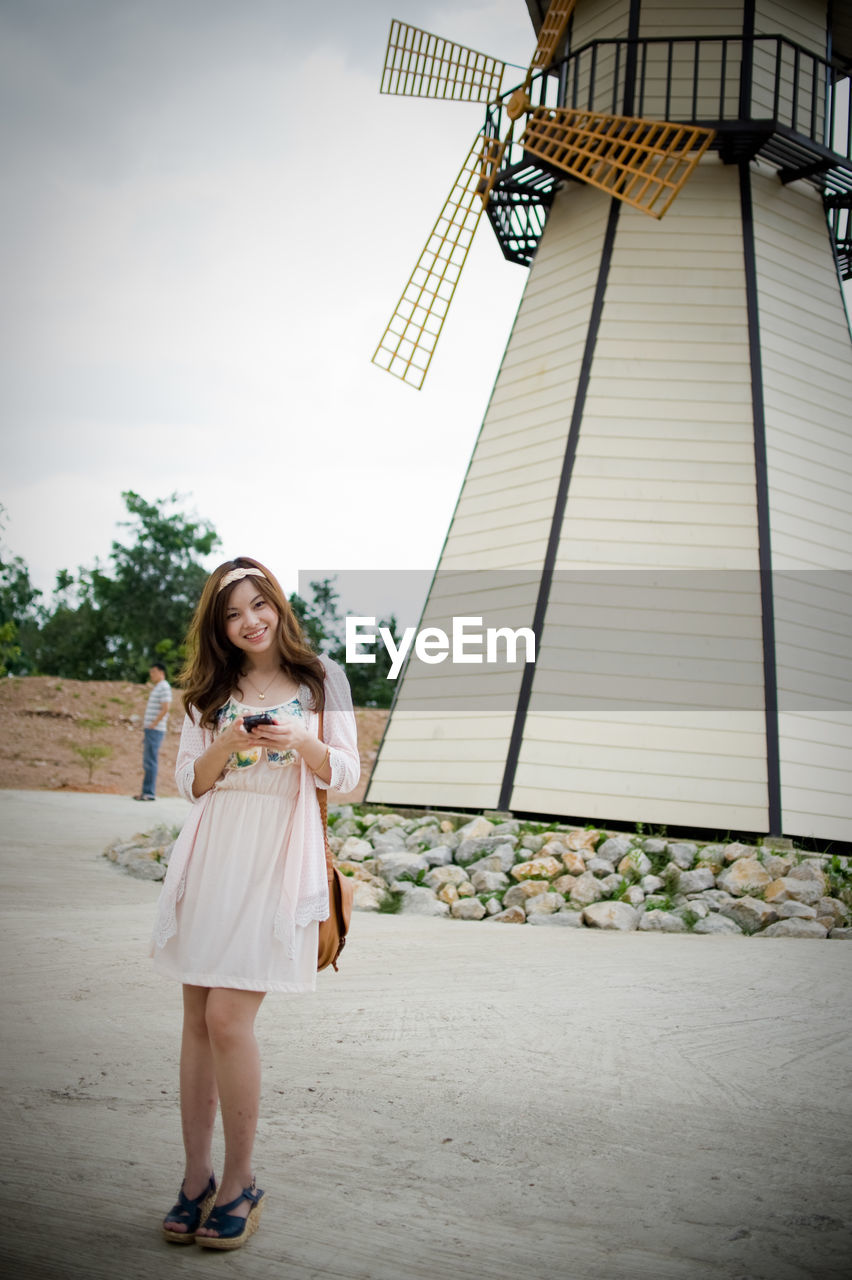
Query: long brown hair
[{"x": 213, "y": 665}]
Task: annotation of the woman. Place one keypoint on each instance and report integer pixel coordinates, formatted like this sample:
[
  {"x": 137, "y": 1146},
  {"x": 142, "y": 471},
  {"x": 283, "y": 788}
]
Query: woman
[{"x": 247, "y": 883}]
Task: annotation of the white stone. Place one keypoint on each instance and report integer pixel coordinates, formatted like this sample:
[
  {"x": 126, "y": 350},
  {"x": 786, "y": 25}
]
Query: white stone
[
  {"x": 467, "y": 909},
  {"x": 586, "y": 890},
  {"x": 736, "y": 850},
  {"x": 417, "y": 900},
  {"x": 355, "y": 849},
  {"x": 683, "y": 854},
  {"x": 843, "y": 932},
  {"x": 544, "y": 904},
  {"x": 610, "y": 884},
  {"x": 634, "y": 865},
  {"x": 567, "y": 919},
  {"x": 611, "y": 915},
  {"x": 384, "y": 841},
  {"x": 475, "y": 829},
  {"x": 367, "y": 897},
  {"x": 787, "y": 888},
  {"x": 716, "y": 923},
  {"x": 777, "y": 864},
  {"x": 789, "y": 909},
  {"x": 512, "y": 915},
  {"x": 662, "y": 922},
  {"x": 750, "y": 913},
  {"x": 794, "y": 928},
  {"x": 440, "y": 855},
  {"x": 634, "y": 896},
  {"x": 809, "y": 871},
  {"x": 573, "y": 862},
  {"x": 541, "y": 866},
  {"x": 650, "y": 884},
  {"x": 489, "y": 881},
  {"x": 502, "y": 859},
  {"x": 519, "y": 893},
  {"x": 696, "y": 881},
  {"x": 392, "y": 865},
  {"x": 444, "y": 875},
  {"x": 600, "y": 866},
  {"x": 493, "y": 907},
  {"x": 615, "y": 848},
  {"x": 654, "y": 845},
  {"x": 743, "y": 877},
  {"x": 835, "y": 908}
]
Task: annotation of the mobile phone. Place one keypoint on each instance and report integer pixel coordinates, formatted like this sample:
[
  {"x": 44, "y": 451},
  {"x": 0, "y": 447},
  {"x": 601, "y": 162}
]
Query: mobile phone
[{"x": 251, "y": 722}]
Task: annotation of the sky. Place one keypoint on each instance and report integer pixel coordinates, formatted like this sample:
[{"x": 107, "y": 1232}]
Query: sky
[
  {"x": 213, "y": 214},
  {"x": 210, "y": 213}
]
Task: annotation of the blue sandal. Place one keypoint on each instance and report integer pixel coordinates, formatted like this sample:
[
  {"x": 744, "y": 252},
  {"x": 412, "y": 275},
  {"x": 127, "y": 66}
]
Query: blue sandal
[
  {"x": 233, "y": 1230},
  {"x": 192, "y": 1212}
]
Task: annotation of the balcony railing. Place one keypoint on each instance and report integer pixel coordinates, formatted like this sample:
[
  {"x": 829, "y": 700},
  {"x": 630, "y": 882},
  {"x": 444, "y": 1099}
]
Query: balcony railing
[{"x": 764, "y": 95}]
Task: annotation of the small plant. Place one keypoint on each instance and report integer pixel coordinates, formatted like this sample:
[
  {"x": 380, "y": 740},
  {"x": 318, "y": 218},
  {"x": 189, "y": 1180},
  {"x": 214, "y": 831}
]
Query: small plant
[
  {"x": 689, "y": 918},
  {"x": 391, "y": 903},
  {"x": 91, "y": 753}
]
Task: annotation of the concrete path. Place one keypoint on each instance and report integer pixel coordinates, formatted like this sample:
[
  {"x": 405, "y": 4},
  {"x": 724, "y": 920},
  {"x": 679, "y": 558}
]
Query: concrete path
[{"x": 462, "y": 1101}]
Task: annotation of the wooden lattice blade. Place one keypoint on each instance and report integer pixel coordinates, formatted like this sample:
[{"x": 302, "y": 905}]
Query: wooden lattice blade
[
  {"x": 552, "y": 32},
  {"x": 409, "y": 341},
  {"x": 643, "y": 162},
  {"x": 421, "y": 65}
]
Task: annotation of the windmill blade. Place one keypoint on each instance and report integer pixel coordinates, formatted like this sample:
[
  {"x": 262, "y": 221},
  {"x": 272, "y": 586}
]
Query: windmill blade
[
  {"x": 643, "y": 162},
  {"x": 409, "y": 341},
  {"x": 552, "y": 32},
  {"x": 421, "y": 65}
]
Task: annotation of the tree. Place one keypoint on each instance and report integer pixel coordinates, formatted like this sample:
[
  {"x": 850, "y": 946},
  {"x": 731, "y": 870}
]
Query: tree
[
  {"x": 110, "y": 624},
  {"x": 20, "y": 612},
  {"x": 325, "y": 629}
]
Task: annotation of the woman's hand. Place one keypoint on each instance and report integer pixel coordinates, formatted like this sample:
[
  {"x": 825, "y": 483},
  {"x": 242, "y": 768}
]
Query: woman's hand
[{"x": 289, "y": 735}]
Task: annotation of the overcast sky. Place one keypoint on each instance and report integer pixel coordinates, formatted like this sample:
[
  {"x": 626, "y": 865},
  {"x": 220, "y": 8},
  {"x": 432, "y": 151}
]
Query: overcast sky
[{"x": 209, "y": 214}]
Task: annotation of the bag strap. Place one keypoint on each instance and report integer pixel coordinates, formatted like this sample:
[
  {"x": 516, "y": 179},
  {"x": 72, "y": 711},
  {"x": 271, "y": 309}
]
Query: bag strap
[{"x": 322, "y": 800}]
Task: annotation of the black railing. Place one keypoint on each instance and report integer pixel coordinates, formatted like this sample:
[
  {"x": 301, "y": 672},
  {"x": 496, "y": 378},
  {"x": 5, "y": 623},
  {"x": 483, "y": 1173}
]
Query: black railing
[{"x": 728, "y": 82}]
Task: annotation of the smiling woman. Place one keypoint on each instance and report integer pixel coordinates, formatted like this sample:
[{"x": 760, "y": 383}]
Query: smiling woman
[{"x": 247, "y": 884}]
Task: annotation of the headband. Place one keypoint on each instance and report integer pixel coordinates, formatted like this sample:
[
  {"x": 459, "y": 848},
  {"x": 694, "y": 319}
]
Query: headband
[{"x": 234, "y": 575}]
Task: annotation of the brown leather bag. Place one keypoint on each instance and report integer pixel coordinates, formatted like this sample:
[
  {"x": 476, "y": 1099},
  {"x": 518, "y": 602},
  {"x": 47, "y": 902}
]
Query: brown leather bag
[{"x": 333, "y": 931}]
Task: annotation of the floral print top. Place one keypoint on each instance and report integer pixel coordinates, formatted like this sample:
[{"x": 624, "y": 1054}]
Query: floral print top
[{"x": 245, "y": 759}]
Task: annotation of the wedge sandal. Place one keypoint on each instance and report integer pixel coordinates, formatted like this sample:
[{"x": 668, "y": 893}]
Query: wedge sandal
[
  {"x": 193, "y": 1213},
  {"x": 233, "y": 1230}
]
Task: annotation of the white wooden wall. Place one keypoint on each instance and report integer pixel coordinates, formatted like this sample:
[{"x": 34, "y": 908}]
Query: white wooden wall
[{"x": 807, "y": 361}]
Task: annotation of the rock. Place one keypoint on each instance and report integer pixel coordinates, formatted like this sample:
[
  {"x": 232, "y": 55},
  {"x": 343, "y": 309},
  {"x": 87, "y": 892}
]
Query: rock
[
  {"x": 417, "y": 900},
  {"x": 519, "y": 893},
  {"x": 563, "y": 884},
  {"x": 531, "y": 842},
  {"x": 489, "y": 881},
  {"x": 567, "y": 919},
  {"x": 465, "y": 889},
  {"x": 615, "y": 848},
  {"x": 809, "y": 871},
  {"x": 501, "y": 859},
  {"x": 743, "y": 877},
  {"x": 145, "y": 869},
  {"x": 600, "y": 866},
  {"x": 366, "y": 896},
  {"x": 447, "y": 826},
  {"x": 493, "y": 906},
  {"x": 394, "y": 864},
  {"x": 712, "y": 855},
  {"x": 696, "y": 881},
  {"x": 573, "y": 863},
  {"x": 448, "y": 893},
  {"x": 345, "y": 828},
  {"x": 542, "y": 866},
  {"x": 385, "y": 841},
  {"x": 778, "y": 864},
  {"x": 656, "y": 902},
  {"x": 512, "y": 915},
  {"x": 356, "y": 871},
  {"x": 335, "y": 844},
  {"x": 750, "y": 913},
  {"x": 650, "y": 884},
  {"x": 424, "y": 838},
  {"x": 683, "y": 853},
  {"x": 655, "y": 846},
  {"x": 736, "y": 850},
  {"x": 611, "y": 915},
  {"x": 611, "y": 884},
  {"x": 794, "y": 928},
  {"x": 843, "y": 932},
  {"x": 835, "y": 908},
  {"x": 467, "y": 909},
  {"x": 634, "y": 865},
  {"x": 785, "y": 889},
  {"x": 586, "y": 890},
  {"x": 696, "y": 907},
  {"x": 439, "y": 856},
  {"x": 476, "y": 829},
  {"x": 544, "y": 904},
  {"x": 715, "y": 898},
  {"x": 634, "y": 896},
  {"x": 444, "y": 875},
  {"x": 582, "y": 839},
  {"x": 471, "y": 850},
  {"x": 662, "y": 922},
  {"x": 356, "y": 849},
  {"x": 716, "y": 923},
  {"x": 786, "y": 910},
  {"x": 509, "y": 827}
]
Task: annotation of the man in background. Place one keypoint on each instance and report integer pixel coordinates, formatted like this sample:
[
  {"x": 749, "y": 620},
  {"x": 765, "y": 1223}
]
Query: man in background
[{"x": 156, "y": 718}]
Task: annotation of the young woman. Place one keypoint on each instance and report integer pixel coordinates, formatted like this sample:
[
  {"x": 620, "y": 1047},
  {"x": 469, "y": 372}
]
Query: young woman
[{"x": 246, "y": 885}]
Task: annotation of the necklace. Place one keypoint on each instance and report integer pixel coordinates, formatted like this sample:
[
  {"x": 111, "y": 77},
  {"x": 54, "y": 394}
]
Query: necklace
[{"x": 266, "y": 690}]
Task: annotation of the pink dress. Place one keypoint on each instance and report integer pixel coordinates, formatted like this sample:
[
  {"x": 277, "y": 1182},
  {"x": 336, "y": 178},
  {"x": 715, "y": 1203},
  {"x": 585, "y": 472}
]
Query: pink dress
[{"x": 246, "y": 883}]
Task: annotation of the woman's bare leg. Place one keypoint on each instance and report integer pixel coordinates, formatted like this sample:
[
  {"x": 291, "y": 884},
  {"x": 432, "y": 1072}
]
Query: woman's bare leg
[
  {"x": 230, "y": 1016},
  {"x": 198, "y": 1095}
]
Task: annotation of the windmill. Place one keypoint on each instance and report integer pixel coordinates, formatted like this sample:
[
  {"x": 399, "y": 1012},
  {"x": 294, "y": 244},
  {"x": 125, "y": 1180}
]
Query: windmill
[{"x": 659, "y": 489}]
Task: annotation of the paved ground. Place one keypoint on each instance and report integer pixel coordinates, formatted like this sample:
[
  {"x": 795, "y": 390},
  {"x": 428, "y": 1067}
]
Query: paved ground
[{"x": 462, "y": 1100}]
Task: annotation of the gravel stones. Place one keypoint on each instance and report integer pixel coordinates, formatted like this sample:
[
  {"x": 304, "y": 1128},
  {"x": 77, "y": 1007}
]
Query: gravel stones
[
  {"x": 744, "y": 876},
  {"x": 512, "y": 915},
  {"x": 615, "y": 848},
  {"x": 716, "y": 924},
  {"x": 586, "y": 890},
  {"x": 683, "y": 854},
  {"x": 548, "y": 867},
  {"x": 611, "y": 915},
  {"x": 544, "y": 904},
  {"x": 467, "y": 909},
  {"x": 417, "y": 900},
  {"x": 794, "y": 928},
  {"x": 787, "y": 889},
  {"x": 696, "y": 881},
  {"x": 662, "y": 922},
  {"x": 750, "y": 913}
]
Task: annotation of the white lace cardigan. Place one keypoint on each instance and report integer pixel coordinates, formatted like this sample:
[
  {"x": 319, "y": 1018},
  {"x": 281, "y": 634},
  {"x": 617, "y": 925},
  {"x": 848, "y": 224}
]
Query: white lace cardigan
[{"x": 304, "y": 892}]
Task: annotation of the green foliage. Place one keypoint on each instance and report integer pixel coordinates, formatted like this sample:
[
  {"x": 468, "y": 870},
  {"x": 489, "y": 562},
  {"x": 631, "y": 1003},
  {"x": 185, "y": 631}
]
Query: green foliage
[
  {"x": 92, "y": 753},
  {"x": 391, "y": 903},
  {"x": 20, "y": 612},
  {"x": 111, "y": 623}
]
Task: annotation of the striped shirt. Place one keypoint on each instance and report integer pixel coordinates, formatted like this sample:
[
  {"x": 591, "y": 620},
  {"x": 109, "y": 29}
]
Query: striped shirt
[{"x": 159, "y": 697}]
